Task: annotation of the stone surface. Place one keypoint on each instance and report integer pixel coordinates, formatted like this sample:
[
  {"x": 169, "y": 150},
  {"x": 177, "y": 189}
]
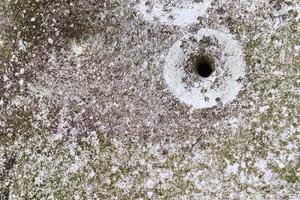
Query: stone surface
[{"x": 85, "y": 112}]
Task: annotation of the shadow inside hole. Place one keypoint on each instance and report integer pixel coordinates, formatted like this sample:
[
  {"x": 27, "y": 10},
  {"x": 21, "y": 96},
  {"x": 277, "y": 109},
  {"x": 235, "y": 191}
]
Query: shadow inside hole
[{"x": 204, "y": 66}]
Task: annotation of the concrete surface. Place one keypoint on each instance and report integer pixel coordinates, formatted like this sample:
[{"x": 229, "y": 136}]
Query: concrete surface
[{"x": 86, "y": 111}]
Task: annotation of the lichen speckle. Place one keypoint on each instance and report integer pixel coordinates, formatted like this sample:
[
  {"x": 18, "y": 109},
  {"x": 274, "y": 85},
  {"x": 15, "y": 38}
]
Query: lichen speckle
[{"x": 85, "y": 112}]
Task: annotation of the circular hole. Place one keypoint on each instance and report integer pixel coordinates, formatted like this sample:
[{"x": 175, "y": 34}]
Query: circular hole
[{"x": 204, "y": 67}]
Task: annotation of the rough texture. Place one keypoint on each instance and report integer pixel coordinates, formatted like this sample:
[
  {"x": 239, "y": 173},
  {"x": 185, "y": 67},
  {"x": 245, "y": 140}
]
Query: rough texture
[{"x": 85, "y": 112}]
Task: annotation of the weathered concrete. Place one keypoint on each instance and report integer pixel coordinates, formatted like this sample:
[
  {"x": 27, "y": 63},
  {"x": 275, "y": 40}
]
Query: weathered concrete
[{"x": 86, "y": 111}]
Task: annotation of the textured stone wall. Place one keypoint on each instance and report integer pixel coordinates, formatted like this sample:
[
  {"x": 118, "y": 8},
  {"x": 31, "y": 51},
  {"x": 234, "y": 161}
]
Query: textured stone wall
[{"x": 105, "y": 99}]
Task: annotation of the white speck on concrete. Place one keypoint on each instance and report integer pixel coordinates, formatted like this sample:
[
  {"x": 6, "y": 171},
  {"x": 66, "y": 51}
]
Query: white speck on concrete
[
  {"x": 232, "y": 169},
  {"x": 149, "y": 184},
  {"x": 263, "y": 109},
  {"x": 261, "y": 164},
  {"x": 125, "y": 184},
  {"x": 78, "y": 49},
  {"x": 165, "y": 175},
  {"x": 50, "y": 41},
  {"x": 22, "y": 45},
  {"x": 149, "y": 194},
  {"x": 297, "y": 47},
  {"x": 21, "y": 82}
]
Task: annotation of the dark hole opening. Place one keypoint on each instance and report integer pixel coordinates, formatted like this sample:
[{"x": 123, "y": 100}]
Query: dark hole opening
[{"x": 204, "y": 67}]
